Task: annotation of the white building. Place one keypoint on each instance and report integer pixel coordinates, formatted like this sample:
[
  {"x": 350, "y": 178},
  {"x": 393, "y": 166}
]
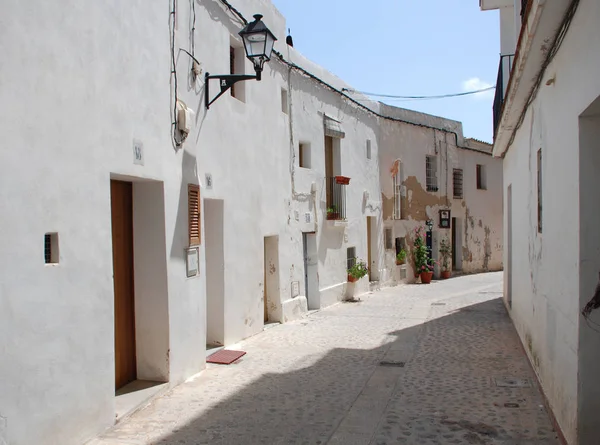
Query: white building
[
  {"x": 547, "y": 117},
  {"x": 124, "y": 254}
]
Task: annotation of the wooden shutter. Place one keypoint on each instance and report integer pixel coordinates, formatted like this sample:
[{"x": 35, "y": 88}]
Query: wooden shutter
[{"x": 194, "y": 214}]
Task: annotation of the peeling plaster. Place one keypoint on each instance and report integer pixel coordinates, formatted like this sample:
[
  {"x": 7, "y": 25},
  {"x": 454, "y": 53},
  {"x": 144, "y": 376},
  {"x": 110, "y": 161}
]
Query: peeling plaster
[{"x": 419, "y": 200}]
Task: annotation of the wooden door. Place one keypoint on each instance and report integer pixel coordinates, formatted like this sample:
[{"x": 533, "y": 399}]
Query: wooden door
[{"x": 122, "y": 240}]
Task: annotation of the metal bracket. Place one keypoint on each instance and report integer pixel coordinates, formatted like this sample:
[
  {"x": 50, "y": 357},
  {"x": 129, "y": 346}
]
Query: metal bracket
[{"x": 225, "y": 82}]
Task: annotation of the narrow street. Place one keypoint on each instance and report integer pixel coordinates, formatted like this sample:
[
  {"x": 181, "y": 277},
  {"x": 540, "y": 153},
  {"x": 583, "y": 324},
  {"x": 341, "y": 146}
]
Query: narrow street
[{"x": 415, "y": 365}]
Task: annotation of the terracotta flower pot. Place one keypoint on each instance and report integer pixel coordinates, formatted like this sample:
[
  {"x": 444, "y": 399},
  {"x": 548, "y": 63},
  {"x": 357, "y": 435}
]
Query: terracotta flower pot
[
  {"x": 446, "y": 274},
  {"x": 426, "y": 277},
  {"x": 333, "y": 216},
  {"x": 344, "y": 180},
  {"x": 351, "y": 279},
  {"x": 399, "y": 263}
]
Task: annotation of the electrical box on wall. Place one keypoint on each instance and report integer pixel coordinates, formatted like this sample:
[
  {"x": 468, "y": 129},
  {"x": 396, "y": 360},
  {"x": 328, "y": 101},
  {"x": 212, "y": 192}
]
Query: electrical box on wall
[
  {"x": 445, "y": 219},
  {"x": 185, "y": 118}
]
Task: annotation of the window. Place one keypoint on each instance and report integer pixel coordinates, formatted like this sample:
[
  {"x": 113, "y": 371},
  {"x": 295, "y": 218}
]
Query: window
[
  {"x": 194, "y": 214},
  {"x": 481, "y": 179},
  {"x": 350, "y": 257},
  {"x": 51, "y": 248},
  {"x": 431, "y": 173},
  {"x": 284, "y": 100},
  {"x": 457, "y": 183},
  {"x": 400, "y": 244},
  {"x": 539, "y": 189},
  {"x": 388, "y": 239},
  {"x": 304, "y": 155},
  {"x": 232, "y": 67},
  {"x": 237, "y": 66},
  {"x": 368, "y": 149}
]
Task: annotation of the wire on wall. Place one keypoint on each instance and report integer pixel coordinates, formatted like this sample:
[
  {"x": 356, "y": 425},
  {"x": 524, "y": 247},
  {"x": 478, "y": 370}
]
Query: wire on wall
[
  {"x": 557, "y": 42},
  {"x": 174, "y": 73},
  {"x": 193, "y": 31},
  {"x": 235, "y": 11}
]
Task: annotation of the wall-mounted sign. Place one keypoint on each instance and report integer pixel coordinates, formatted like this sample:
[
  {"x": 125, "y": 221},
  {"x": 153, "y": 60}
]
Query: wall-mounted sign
[
  {"x": 208, "y": 181},
  {"x": 138, "y": 152},
  {"x": 295, "y": 288},
  {"x": 192, "y": 262},
  {"x": 445, "y": 219}
]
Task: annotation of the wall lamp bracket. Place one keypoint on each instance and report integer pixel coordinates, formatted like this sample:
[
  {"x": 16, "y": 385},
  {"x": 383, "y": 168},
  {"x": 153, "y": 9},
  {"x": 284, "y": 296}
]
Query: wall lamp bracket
[{"x": 226, "y": 81}]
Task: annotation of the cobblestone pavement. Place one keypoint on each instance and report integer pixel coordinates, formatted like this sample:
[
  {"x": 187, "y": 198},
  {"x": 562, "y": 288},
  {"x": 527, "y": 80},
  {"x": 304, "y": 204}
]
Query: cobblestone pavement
[{"x": 414, "y": 365}]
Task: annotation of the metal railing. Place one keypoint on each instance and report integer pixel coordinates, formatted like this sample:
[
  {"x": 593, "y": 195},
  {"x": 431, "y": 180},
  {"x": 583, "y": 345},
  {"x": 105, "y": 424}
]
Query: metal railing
[
  {"x": 504, "y": 69},
  {"x": 336, "y": 199}
]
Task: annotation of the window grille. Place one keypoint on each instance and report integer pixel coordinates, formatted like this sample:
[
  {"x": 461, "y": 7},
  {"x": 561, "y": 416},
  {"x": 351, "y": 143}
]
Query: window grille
[
  {"x": 457, "y": 183},
  {"x": 431, "y": 173}
]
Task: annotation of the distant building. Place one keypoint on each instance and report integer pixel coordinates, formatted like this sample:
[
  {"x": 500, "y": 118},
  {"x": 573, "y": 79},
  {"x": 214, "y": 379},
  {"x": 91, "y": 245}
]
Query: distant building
[{"x": 547, "y": 130}]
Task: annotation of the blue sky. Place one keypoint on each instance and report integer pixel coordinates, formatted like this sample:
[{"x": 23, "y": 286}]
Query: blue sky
[{"x": 405, "y": 47}]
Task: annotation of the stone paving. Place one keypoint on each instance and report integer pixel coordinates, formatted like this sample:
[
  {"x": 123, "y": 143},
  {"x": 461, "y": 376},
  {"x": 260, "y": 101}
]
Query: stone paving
[{"x": 415, "y": 365}]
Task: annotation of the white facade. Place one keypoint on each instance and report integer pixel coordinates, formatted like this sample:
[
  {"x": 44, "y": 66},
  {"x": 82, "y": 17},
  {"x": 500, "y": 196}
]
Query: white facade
[
  {"x": 87, "y": 99},
  {"x": 552, "y": 256}
]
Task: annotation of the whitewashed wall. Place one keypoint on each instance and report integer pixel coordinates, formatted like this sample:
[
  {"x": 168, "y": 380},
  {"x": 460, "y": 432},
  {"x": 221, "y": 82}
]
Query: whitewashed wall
[{"x": 554, "y": 273}]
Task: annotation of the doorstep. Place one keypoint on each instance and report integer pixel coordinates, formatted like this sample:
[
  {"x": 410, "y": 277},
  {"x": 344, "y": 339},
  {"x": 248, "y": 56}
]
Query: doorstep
[{"x": 134, "y": 395}]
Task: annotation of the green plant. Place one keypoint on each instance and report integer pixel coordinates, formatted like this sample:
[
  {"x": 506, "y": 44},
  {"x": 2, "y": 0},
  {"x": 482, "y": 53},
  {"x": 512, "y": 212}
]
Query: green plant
[
  {"x": 358, "y": 270},
  {"x": 420, "y": 252},
  {"x": 445, "y": 253},
  {"x": 331, "y": 209},
  {"x": 401, "y": 256}
]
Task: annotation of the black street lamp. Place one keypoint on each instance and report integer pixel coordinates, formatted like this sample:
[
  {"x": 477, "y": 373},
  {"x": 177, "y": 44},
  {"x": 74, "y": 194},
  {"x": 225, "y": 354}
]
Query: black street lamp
[{"x": 258, "y": 44}]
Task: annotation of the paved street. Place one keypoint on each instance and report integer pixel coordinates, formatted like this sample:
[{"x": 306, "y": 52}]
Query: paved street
[{"x": 414, "y": 365}]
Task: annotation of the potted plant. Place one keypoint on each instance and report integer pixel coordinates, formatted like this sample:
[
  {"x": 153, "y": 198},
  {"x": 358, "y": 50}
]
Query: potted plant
[
  {"x": 427, "y": 271},
  {"x": 357, "y": 271},
  {"x": 446, "y": 254},
  {"x": 401, "y": 257},
  {"x": 332, "y": 213},
  {"x": 423, "y": 264}
]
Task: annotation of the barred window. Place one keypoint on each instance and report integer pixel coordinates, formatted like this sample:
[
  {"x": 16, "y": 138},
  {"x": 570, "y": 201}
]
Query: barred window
[
  {"x": 431, "y": 173},
  {"x": 350, "y": 257},
  {"x": 457, "y": 183},
  {"x": 397, "y": 185}
]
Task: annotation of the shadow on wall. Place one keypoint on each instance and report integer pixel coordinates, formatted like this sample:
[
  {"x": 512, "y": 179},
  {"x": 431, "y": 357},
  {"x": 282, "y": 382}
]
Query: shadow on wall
[
  {"x": 189, "y": 175},
  {"x": 308, "y": 405}
]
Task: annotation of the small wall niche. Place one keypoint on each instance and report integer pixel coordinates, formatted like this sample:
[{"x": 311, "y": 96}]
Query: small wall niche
[{"x": 51, "y": 253}]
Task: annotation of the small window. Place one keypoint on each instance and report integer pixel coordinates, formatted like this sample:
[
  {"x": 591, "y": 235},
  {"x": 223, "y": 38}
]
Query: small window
[
  {"x": 194, "y": 214},
  {"x": 237, "y": 66},
  {"x": 388, "y": 239},
  {"x": 539, "y": 189},
  {"x": 431, "y": 173},
  {"x": 481, "y": 179},
  {"x": 457, "y": 183},
  {"x": 232, "y": 67},
  {"x": 350, "y": 257},
  {"x": 368, "y": 149},
  {"x": 284, "y": 101},
  {"x": 304, "y": 155},
  {"x": 51, "y": 248},
  {"x": 400, "y": 244}
]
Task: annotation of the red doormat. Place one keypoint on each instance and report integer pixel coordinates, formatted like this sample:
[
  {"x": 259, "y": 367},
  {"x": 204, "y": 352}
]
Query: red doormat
[{"x": 225, "y": 357}]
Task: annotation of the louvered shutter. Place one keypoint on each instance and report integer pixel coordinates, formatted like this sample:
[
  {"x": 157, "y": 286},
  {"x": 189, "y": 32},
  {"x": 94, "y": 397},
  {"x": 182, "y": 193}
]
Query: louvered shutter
[{"x": 194, "y": 214}]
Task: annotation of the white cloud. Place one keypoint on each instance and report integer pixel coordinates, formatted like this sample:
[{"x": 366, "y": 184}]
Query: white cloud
[{"x": 474, "y": 84}]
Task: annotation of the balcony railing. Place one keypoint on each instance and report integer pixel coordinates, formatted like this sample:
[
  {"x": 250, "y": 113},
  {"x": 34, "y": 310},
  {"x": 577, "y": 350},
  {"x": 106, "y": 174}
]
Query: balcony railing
[
  {"x": 504, "y": 70},
  {"x": 336, "y": 199}
]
